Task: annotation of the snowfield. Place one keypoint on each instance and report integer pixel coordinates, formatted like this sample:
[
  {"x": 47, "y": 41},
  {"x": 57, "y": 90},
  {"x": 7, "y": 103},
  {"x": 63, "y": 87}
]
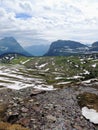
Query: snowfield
[{"x": 16, "y": 77}]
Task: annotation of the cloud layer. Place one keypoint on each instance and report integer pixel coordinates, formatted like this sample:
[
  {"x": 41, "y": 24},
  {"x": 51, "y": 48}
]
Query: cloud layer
[{"x": 49, "y": 20}]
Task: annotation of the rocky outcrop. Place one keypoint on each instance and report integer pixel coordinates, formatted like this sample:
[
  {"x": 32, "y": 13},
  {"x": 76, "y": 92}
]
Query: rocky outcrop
[
  {"x": 57, "y": 109},
  {"x": 94, "y": 47}
]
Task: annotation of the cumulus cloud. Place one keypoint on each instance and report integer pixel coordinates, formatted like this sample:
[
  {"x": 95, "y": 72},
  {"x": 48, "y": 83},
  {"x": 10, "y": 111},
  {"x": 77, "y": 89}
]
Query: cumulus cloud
[{"x": 49, "y": 20}]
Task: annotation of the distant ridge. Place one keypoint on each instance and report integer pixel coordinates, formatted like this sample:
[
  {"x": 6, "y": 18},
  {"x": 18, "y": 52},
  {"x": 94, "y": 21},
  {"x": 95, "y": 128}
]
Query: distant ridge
[{"x": 10, "y": 45}]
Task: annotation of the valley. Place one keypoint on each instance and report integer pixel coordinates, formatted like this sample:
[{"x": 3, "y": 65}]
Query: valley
[{"x": 48, "y": 65}]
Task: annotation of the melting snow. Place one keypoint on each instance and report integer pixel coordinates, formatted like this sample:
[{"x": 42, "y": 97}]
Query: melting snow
[
  {"x": 19, "y": 85},
  {"x": 24, "y": 61},
  {"x": 90, "y": 114},
  {"x": 89, "y": 81},
  {"x": 94, "y": 65},
  {"x": 46, "y": 70},
  {"x": 44, "y": 87},
  {"x": 63, "y": 83},
  {"x": 81, "y": 59},
  {"x": 58, "y": 78},
  {"x": 83, "y": 62},
  {"x": 86, "y": 81},
  {"x": 75, "y": 77},
  {"x": 76, "y": 66},
  {"x": 19, "y": 80},
  {"x": 56, "y": 69},
  {"x": 41, "y": 66},
  {"x": 90, "y": 58},
  {"x": 86, "y": 72}
]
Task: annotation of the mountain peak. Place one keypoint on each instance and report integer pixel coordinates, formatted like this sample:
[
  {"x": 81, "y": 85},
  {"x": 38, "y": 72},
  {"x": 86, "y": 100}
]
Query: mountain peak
[
  {"x": 10, "y": 45},
  {"x": 95, "y": 44},
  {"x": 9, "y": 38}
]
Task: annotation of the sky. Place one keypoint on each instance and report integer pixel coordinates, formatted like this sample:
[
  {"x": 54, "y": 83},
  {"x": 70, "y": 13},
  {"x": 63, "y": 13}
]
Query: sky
[{"x": 35, "y": 21}]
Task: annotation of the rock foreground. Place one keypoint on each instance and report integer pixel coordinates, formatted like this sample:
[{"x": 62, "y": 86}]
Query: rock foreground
[{"x": 53, "y": 110}]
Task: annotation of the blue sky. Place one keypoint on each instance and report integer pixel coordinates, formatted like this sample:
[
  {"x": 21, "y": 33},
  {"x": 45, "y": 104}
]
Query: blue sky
[
  {"x": 49, "y": 20},
  {"x": 23, "y": 16}
]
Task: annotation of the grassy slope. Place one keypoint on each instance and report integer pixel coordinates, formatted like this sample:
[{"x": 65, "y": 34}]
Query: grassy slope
[{"x": 63, "y": 67}]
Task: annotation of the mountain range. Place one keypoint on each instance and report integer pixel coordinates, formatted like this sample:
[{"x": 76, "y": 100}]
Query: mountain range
[
  {"x": 68, "y": 47},
  {"x": 57, "y": 48}
]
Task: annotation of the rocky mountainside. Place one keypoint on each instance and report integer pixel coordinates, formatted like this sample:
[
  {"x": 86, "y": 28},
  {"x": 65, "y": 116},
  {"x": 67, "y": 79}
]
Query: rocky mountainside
[
  {"x": 95, "y": 44},
  {"x": 10, "y": 45},
  {"x": 94, "y": 47},
  {"x": 66, "y": 47}
]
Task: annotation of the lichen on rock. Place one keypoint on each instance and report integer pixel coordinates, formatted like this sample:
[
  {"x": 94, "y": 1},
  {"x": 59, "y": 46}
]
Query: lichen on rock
[
  {"x": 89, "y": 100},
  {"x": 8, "y": 126}
]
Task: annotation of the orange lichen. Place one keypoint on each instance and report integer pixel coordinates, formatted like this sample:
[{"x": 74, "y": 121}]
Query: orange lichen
[
  {"x": 3, "y": 108},
  {"x": 8, "y": 126},
  {"x": 89, "y": 100}
]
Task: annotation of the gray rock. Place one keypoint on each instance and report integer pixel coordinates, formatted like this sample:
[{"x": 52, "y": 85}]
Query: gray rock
[{"x": 51, "y": 118}]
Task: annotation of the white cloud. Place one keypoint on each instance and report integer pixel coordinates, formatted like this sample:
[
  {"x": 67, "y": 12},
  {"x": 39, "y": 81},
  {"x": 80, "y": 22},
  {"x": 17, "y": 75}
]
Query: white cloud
[{"x": 49, "y": 19}]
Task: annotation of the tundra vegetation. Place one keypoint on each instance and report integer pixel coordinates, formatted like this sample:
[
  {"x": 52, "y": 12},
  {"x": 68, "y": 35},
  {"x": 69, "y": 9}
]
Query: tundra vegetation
[{"x": 73, "y": 76}]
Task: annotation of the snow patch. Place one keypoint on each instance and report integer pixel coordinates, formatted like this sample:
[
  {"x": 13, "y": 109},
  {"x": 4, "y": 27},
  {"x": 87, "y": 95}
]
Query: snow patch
[
  {"x": 87, "y": 81},
  {"x": 81, "y": 59},
  {"x": 41, "y": 66},
  {"x": 90, "y": 80},
  {"x": 94, "y": 65},
  {"x": 19, "y": 85},
  {"x": 76, "y": 66},
  {"x": 56, "y": 69},
  {"x": 44, "y": 87},
  {"x": 75, "y": 77},
  {"x": 46, "y": 70},
  {"x": 90, "y": 114},
  {"x": 90, "y": 58},
  {"x": 86, "y": 72},
  {"x": 63, "y": 83},
  {"x": 57, "y": 78},
  {"x": 83, "y": 62},
  {"x": 24, "y": 62},
  {"x": 19, "y": 80}
]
